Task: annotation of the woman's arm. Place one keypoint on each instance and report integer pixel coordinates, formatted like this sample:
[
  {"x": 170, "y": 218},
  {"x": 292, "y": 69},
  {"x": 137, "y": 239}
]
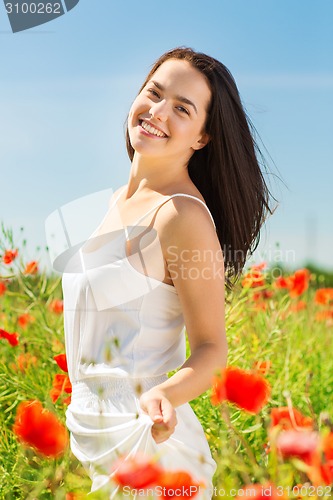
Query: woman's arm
[{"x": 195, "y": 262}]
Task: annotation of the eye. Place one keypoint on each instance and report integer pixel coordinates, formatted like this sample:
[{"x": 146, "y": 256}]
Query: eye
[
  {"x": 153, "y": 92},
  {"x": 183, "y": 110}
]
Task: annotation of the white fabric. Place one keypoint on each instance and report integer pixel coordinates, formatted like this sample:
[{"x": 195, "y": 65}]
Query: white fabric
[{"x": 124, "y": 331}]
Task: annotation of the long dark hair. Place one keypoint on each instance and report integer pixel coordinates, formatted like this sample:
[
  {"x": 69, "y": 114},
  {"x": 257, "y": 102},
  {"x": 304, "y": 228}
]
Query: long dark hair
[{"x": 227, "y": 170}]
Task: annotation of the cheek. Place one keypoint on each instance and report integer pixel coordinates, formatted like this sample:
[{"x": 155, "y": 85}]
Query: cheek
[
  {"x": 189, "y": 133},
  {"x": 138, "y": 101},
  {"x": 134, "y": 106},
  {"x": 132, "y": 110}
]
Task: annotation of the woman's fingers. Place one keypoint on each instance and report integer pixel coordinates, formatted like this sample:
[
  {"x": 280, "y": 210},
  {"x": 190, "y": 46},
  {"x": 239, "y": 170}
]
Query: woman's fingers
[
  {"x": 162, "y": 430},
  {"x": 163, "y": 415},
  {"x": 169, "y": 413},
  {"x": 153, "y": 408}
]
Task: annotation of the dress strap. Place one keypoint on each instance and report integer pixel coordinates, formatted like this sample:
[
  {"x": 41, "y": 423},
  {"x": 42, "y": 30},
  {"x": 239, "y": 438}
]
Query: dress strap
[
  {"x": 115, "y": 201},
  {"x": 169, "y": 198}
]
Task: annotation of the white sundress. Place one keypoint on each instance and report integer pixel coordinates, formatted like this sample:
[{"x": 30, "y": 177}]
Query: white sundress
[{"x": 124, "y": 331}]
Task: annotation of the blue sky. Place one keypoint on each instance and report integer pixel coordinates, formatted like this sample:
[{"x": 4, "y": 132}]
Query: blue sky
[{"x": 66, "y": 88}]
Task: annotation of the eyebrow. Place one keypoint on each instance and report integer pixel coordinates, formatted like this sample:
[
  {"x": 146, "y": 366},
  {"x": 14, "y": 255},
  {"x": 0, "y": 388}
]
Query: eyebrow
[{"x": 178, "y": 97}]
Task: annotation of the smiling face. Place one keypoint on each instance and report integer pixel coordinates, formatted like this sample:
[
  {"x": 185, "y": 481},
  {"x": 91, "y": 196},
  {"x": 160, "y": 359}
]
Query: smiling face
[{"x": 167, "y": 118}]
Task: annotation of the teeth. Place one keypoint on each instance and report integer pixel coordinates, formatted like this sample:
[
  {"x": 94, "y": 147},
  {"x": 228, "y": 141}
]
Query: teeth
[{"x": 152, "y": 130}]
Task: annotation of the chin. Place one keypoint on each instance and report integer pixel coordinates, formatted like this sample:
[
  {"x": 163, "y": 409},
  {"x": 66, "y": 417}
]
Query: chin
[{"x": 142, "y": 148}]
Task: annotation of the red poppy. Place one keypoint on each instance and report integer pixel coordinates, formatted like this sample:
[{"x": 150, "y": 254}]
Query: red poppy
[
  {"x": 3, "y": 288},
  {"x": 263, "y": 295},
  {"x": 25, "y": 360},
  {"x": 324, "y": 296},
  {"x": 61, "y": 384},
  {"x": 324, "y": 315},
  {"x": 300, "y": 282},
  {"x": 298, "y": 306},
  {"x": 260, "y": 297},
  {"x": 262, "y": 366},
  {"x": 260, "y": 306},
  {"x": 327, "y": 445},
  {"x": 136, "y": 472},
  {"x": 11, "y": 337},
  {"x": 301, "y": 444},
  {"x": 322, "y": 474},
  {"x": 31, "y": 267},
  {"x": 61, "y": 361},
  {"x": 297, "y": 283},
  {"x": 56, "y": 306},
  {"x": 67, "y": 400},
  {"x": 282, "y": 282},
  {"x": 289, "y": 418},
  {"x": 178, "y": 484},
  {"x": 253, "y": 279},
  {"x": 39, "y": 428},
  {"x": 247, "y": 389},
  {"x": 257, "y": 491},
  {"x": 25, "y": 319},
  {"x": 9, "y": 256},
  {"x": 259, "y": 267}
]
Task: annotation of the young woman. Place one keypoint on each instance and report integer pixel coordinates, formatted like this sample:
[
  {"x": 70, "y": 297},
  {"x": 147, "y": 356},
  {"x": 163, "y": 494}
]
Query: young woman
[{"x": 174, "y": 235}]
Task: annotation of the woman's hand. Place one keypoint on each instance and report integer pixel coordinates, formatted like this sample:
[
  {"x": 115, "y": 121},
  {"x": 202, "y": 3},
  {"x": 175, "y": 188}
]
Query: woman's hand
[{"x": 162, "y": 413}]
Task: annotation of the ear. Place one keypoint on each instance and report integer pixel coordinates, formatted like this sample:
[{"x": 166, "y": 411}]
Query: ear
[{"x": 201, "y": 143}]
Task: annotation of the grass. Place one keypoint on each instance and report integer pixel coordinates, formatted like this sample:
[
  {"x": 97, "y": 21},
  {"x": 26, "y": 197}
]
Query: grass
[{"x": 296, "y": 343}]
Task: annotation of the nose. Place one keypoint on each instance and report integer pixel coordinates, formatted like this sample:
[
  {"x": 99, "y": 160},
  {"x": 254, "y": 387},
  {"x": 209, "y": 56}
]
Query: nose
[{"x": 159, "y": 110}]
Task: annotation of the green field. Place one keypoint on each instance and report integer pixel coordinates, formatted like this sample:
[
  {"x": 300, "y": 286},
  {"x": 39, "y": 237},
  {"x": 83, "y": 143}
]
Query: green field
[{"x": 287, "y": 330}]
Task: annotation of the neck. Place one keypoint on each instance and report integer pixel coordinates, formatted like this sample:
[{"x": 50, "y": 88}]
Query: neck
[{"x": 155, "y": 174}]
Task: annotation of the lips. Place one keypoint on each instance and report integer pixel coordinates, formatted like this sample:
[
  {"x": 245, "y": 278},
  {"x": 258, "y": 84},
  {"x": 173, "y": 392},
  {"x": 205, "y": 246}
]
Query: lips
[{"x": 152, "y": 129}]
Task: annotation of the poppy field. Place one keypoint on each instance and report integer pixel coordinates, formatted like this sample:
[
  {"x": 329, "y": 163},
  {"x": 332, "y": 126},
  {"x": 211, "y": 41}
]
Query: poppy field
[{"x": 268, "y": 417}]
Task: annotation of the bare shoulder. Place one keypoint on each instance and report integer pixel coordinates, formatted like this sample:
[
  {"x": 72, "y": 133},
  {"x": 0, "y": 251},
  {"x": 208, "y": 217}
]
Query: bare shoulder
[
  {"x": 187, "y": 233},
  {"x": 185, "y": 215}
]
